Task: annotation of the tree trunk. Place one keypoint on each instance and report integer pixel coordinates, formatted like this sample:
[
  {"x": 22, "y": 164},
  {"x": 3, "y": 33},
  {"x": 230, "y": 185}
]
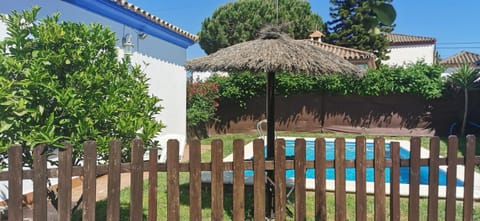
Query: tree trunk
[{"x": 465, "y": 112}]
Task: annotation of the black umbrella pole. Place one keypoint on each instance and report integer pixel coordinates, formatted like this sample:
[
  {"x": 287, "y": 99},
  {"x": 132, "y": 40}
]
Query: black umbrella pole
[{"x": 270, "y": 197}]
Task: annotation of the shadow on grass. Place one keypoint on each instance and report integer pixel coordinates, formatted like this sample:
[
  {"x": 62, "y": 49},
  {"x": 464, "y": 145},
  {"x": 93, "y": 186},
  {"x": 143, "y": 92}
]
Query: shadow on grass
[
  {"x": 462, "y": 145},
  {"x": 101, "y": 212}
]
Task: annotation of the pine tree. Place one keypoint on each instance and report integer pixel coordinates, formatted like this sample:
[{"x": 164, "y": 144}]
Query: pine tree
[
  {"x": 355, "y": 25},
  {"x": 241, "y": 20}
]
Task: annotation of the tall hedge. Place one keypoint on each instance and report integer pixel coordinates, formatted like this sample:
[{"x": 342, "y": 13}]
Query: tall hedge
[{"x": 418, "y": 79}]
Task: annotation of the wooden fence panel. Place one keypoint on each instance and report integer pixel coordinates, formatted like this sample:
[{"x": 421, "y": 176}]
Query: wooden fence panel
[
  {"x": 113, "y": 200},
  {"x": 65, "y": 183},
  {"x": 40, "y": 182},
  {"x": 450, "y": 209},
  {"x": 173, "y": 183},
  {"x": 280, "y": 180},
  {"x": 195, "y": 181},
  {"x": 414, "y": 197},
  {"x": 300, "y": 192},
  {"x": 395, "y": 181},
  {"x": 379, "y": 167},
  {"x": 152, "y": 184},
  {"x": 259, "y": 180},
  {"x": 136, "y": 181},
  {"x": 173, "y": 167},
  {"x": 89, "y": 180},
  {"x": 320, "y": 180},
  {"x": 238, "y": 180},
  {"x": 433, "y": 179},
  {"x": 217, "y": 180},
  {"x": 15, "y": 183},
  {"x": 360, "y": 178},
  {"x": 340, "y": 195},
  {"x": 468, "y": 181}
]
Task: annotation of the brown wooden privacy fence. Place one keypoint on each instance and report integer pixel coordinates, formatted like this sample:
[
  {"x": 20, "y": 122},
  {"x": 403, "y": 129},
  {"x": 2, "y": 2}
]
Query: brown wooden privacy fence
[{"x": 172, "y": 167}]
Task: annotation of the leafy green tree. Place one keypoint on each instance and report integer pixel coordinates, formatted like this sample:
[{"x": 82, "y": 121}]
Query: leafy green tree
[
  {"x": 359, "y": 24},
  {"x": 464, "y": 79},
  {"x": 240, "y": 21},
  {"x": 62, "y": 82}
]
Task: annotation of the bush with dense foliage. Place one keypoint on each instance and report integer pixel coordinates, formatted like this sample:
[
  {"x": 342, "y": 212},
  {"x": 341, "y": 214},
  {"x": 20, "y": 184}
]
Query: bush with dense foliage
[
  {"x": 201, "y": 102},
  {"x": 62, "y": 81},
  {"x": 419, "y": 79}
]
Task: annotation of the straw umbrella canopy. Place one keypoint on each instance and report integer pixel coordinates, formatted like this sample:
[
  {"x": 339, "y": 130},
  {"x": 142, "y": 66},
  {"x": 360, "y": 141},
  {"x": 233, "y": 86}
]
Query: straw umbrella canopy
[{"x": 272, "y": 52}]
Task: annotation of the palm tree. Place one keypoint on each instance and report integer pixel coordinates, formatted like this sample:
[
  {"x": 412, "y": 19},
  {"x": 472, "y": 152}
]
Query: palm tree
[{"x": 464, "y": 79}]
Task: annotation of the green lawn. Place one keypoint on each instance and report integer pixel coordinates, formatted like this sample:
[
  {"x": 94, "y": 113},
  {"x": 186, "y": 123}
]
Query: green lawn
[{"x": 228, "y": 199}]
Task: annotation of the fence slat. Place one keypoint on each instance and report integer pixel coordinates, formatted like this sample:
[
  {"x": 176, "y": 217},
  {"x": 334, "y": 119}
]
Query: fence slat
[
  {"x": 360, "y": 179},
  {"x": 152, "y": 184},
  {"x": 259, "y": 180},
  {"x": 280, "y": 180},
  {"x": 238, "y": 180},
  {"x": 450, "y": 209},
  {"x": 136, "y": 181},
  {"x": 300, "y": 192},
  {"x": 395, "y": 181},
  {"x": 320, "y": 180},
  {"x": 413, "y": 200},
  {"x": 40, "y": 182},
  {"x": 379, "y": 167},
  {"x": 173, "y": 182},
  {"x": 217, "y": 180},
  {"x": 113, "y": 200},
  {"x": 15, "y": 183},
  {"x": 65, "y": 182},
  {"x": 340, "y": 195},
  {"x": 468, "y": 181},
  {"x": 433, "y": 179},
  {"x": 89, "y": 180},
  {"x": 195, "y": 181}
]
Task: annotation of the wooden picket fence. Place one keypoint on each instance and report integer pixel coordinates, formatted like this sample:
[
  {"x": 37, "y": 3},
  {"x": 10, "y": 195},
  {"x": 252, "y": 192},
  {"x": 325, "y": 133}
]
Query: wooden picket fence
[{"x": 279, "y": 165}]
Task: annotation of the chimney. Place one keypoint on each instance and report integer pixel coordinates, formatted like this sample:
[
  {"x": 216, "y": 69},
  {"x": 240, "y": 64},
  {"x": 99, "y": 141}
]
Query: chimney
[{"x": 316, "y": 36}]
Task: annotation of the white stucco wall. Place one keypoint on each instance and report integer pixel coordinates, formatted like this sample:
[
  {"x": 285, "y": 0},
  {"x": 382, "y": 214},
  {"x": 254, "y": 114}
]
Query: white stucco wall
[
  {"x": 404, "y": 55},
  {"x": 165, "y": 71}
]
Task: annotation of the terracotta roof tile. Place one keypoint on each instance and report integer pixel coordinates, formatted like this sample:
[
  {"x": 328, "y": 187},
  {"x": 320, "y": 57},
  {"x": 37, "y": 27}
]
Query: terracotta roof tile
[
  {"x": 155, "y": 19},
  {"x": 347, "y": 53},
  {"x": 316, "y": 34},
  {"x": 401, "y": 39},
  {"x": 461, "y": 58}
]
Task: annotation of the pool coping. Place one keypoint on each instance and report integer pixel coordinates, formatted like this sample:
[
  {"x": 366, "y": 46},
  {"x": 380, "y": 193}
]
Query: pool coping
[{"x": 350, "y": 185}]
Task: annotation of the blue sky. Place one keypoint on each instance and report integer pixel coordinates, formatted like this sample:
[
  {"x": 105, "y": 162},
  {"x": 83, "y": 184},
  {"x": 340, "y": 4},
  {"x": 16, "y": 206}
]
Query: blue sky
[{"x": 454, "y": 23}]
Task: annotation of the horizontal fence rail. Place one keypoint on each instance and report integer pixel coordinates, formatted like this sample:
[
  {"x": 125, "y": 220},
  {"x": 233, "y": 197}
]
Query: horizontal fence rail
[{"x": 90, "y": 170}]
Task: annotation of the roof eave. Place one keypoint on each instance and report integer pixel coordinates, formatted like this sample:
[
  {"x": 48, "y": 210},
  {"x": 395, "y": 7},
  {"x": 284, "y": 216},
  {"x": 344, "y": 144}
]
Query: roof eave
[
  {"x": 429, "y": 42},
  {"x": 122, "y": 15}
]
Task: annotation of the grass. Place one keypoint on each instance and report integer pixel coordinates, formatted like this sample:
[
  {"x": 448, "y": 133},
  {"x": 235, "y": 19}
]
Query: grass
[
  {"x": 228, "y": 198},
  {"x": 228, "y": 202}
]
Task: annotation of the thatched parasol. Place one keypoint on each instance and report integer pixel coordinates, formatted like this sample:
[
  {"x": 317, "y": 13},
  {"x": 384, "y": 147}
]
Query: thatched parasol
[{"x": 273, "y": 52}]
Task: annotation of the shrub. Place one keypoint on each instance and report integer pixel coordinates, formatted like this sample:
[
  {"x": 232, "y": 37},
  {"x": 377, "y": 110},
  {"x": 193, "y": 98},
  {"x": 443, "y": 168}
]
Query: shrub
[
  {"x": 418, "y": 79},
  {"x": 62, "y": 81},
  {"x": 201, "y": 103}
]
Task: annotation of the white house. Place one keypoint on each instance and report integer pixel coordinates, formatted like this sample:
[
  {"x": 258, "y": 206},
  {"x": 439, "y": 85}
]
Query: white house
[
  {"x": 157, "y": 43},
  {"x": 409, "y": 49},
  {"x": 453, "y": 62}
]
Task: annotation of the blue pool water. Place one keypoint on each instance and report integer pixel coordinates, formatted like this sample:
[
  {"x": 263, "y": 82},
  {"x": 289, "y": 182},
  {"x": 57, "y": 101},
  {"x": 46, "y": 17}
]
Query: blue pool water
[{"x": 350, "y": 155}]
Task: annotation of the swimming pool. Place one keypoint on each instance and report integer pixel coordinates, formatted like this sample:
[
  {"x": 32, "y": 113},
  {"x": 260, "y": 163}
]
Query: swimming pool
[{"x": 350, "y": 155}]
